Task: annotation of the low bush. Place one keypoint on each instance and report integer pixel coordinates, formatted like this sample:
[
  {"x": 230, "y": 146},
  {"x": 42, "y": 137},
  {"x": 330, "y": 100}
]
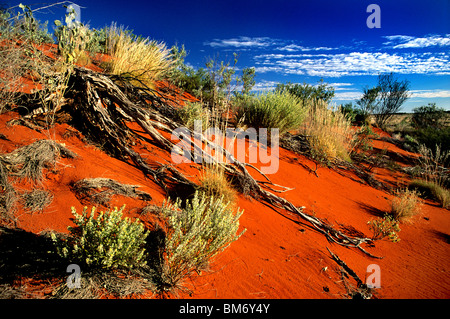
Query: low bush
[
  {"x": 429, "y": 189},
  {"x": 405, "y": 205},
  {"x": 431, "y": 137},
  {"x": 280, "y": 110},
  {"x": 104, "y": 241},
  {"x": 385, "y": 227},
  {"x": 195, "y": 233},
  {"x": 429, "y": 116}
]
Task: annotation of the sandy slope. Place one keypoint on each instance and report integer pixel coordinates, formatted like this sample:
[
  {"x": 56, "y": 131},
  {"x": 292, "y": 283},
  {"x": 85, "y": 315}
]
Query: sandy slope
[{"x": 279, "y": 256}]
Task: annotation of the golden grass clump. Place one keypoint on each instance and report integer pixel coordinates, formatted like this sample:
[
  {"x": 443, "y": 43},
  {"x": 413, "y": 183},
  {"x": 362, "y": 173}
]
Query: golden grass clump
[
  {"x": 405, "y": 205},
  {"x": 329, "y": 132},
  {"x": 143, "y": 60},
  {"x": 213, "y": 183}
]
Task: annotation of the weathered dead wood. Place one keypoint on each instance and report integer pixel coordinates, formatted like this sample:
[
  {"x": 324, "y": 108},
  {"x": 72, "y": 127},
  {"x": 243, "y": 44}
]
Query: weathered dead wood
[
  {"x": 101, "y": 109},
  {"x": 362, "y": 291}
]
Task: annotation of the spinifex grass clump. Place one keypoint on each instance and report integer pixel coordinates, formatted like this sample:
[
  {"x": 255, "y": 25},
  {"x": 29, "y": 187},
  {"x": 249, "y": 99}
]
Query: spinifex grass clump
[
  {"x": 36, "y": 200},
  {"x": 434, "y": 165},
  {"x": 429, "y": 189},
  {"x": 213, "y": 182},
  {"x": 142, "y": 60},
  {"x": 30, "y": 160},
  {"x": 192, "y": 112},
  {"x": 405, "y": 205},
  {"x": 105, "y": 241},
  {"x": 328, "y": 131},
  {"x": 271, "y": 110},
  {"x": 196, "y": 233}
]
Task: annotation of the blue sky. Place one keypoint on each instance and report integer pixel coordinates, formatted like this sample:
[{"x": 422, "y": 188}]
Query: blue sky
[{"x": 299, "y": 41}]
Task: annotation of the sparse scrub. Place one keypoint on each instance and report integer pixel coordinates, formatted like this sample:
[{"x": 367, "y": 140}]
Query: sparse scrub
[
  {"x": 433, "y": 165},
  {"x": 13, "y": 67},
  {"x": 429, "y": 189},
  {"x": 385, "y": 99},
  {"x": 8, "y": 195},
  {"x": 405, "y": 205},
  {"x": 280, "y": 110},
  {"x": 204, "y": 227},
  {"x": 141, "y": 60},
  {"x": 23, "y": 26},
  {"x": 104, "y": 241},
  {"x": 387, "y": 226},
  {"x": 73, "y": 41}
]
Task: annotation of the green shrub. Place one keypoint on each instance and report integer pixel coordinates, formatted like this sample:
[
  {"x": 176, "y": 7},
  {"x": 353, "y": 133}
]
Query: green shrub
[
  {"x": 24, "y": 26},
  {"x": 322, "y": 91},
  {"x": 431, "y": 137},
  {"x": 196, "y": 233},
  {"x": 429, "y": 116},
  {"x": 405, "y": 205},
  {"x": 191, "y": 112},
  {"x": 429, "y": 189},
  {"x": 280, "y": 110},
  {"x": 385, "y": 227},
  {"x": 105, "y": 241}
]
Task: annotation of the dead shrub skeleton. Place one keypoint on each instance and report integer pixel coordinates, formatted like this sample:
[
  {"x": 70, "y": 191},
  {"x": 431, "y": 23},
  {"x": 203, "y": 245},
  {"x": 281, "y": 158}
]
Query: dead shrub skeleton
[{"x": 99, "y": 105}]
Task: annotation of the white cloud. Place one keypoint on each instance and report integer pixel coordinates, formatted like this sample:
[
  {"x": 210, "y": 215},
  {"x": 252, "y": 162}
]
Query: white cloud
[
  {"x": 430, "y": 93},
  {"x": 341, "y": 86},
  {"x": 346, "y": 96},
  {"x": 405, "y": 42},
  {"x": 244, "y": 42},
  {"x": 241, "y": 42},
  {"x": 265, "y": 85},
  {"x": 294, "y": 47},
  {"x": 354, "y": 63}
]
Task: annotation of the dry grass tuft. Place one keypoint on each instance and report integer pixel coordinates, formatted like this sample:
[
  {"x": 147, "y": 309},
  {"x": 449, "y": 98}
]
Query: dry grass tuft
[
  {"x": 329, "y": 133},
  {"x": 142, "y": 60},
  {"x": 405, "y": 205},
  {"x": 8, "y": 195},
  {"x": 37, "y": 200},
  {"x": 100, "y": 190},
  {"x": 430, "y": 189},
  {"x": 214, "y": 183},
  {"x": 29, "y": 161}
]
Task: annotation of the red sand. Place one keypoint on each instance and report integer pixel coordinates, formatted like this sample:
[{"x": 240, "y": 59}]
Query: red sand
[{"x": 279, "y": 256}]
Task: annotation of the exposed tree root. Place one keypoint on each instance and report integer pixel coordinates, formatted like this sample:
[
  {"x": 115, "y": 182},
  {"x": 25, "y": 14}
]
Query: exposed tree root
[{"x": 101, "y": 109}]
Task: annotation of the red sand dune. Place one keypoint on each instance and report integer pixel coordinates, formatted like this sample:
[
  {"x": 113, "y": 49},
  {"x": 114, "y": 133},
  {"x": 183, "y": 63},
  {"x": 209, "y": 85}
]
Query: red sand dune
[{"x": 280, "y": 255}]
